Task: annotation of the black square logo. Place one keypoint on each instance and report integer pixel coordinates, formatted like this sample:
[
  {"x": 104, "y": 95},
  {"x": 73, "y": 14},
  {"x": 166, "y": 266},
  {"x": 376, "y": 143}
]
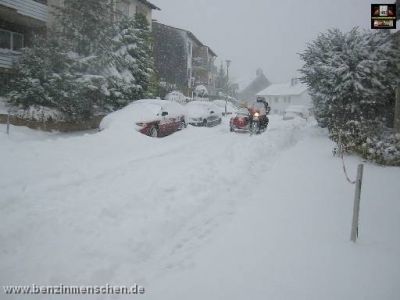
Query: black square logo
[{"x": 383, "y": 16}]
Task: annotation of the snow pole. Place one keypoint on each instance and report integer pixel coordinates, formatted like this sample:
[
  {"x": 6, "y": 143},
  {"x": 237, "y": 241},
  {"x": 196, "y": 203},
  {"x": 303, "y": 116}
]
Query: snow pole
[{"x": 357, "y": 199}]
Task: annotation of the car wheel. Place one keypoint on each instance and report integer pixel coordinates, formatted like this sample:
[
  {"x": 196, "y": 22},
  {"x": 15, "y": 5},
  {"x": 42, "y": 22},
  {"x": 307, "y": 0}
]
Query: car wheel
[
  {"x": 204, "y": 123},
  {"x": 153, "y": 132}
]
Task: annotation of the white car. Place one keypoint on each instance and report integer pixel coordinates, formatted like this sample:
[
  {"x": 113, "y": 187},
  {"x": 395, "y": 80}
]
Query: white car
[
  {"x": 230, "y": 108},
  {"x": 203, "y": 113},
  {"x": 296, "y": 111}
]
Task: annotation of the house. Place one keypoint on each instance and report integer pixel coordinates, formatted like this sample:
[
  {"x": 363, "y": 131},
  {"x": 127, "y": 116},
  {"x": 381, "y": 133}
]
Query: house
[
  {"x": 130, "y": 8},
  {"x": 259, "y": 84},
  {"x": 20, "y": 20},
  {"x": 182, "y": 61},
  {"x": 281, "y": 96}
]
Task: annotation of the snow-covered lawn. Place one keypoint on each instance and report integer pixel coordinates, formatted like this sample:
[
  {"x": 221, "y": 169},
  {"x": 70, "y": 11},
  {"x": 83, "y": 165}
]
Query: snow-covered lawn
[{"x": 201, "y": 214}]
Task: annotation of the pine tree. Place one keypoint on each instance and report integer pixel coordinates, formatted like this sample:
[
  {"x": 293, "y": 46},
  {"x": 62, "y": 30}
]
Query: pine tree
[
  {"x": 143, "y": 54},
  {"x": 351, "y": 78},
  {"x": 86, "y": 26},
  {"x": 44, "y": 78}
]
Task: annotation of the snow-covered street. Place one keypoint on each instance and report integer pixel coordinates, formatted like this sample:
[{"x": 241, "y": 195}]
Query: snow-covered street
[{"x": 201, "y": 214}]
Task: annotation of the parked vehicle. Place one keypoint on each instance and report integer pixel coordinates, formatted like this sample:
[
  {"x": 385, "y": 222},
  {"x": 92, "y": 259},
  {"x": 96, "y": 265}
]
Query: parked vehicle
[
  {"x": 295, "y": 111},
  {"x": 155, "y": 118},
  {"x": 230, "y": 108},
  {"x": 177, "y": 96},
  {"x": 248, "y": 120},
  {"x": 241, "y": 121},
  {"x": 202, "y": 113}
]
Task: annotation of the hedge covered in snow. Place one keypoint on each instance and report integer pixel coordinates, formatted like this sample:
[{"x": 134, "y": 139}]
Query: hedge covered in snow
[{"x": 352, "y": 79}]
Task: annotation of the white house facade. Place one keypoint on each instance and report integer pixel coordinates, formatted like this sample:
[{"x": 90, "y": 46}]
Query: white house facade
[{"x": 281, "y": 96}]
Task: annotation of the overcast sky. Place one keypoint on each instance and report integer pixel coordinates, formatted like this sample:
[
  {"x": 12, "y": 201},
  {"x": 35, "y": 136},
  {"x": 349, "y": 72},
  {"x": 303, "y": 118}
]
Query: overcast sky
[{"x": 265, "y": 34}]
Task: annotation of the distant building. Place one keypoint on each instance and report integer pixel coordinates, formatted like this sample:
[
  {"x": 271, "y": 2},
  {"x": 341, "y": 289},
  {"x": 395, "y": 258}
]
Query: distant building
[
  {"x": 182, "y": 61},
  {"x": 281, "y": 96},
  {"x": 260, "y": 83}
]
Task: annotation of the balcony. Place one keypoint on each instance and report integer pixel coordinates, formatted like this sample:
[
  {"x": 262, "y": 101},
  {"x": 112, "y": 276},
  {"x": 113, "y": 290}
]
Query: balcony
[
  {"x": 7, "y": 58},
  {"x": 27, "y": 8},
  {"x": 200, "y": 63}
]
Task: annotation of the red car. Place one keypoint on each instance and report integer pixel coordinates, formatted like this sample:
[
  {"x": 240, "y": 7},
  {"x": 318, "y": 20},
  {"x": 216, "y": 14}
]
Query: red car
[
  {"x": 162, "y": 118},
  {"x": 155, "y": 118},
  {"x": 240, "y": 122}
]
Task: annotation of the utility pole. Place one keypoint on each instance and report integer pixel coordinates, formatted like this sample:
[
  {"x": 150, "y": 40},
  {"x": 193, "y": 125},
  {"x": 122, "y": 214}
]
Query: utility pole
[{"x": 228, "y": 64}]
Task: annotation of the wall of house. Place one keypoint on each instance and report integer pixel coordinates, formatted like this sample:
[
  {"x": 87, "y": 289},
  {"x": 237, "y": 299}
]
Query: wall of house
[
  {"x": 171, "y": 56},
  {"x": 280, "y": 103},
  {"x": 19, "y": 21},
  {"x": 141, "y": 8},
  {"x": 130, "y": 8},
  {"x": 52, "y": 11}
]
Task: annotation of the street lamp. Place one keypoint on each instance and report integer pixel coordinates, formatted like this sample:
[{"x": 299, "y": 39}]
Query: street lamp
[{"x": 228, "y": 64}]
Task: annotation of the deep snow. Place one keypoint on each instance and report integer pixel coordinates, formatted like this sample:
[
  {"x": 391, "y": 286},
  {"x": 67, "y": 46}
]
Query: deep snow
[{"x": 201, "y": 214}]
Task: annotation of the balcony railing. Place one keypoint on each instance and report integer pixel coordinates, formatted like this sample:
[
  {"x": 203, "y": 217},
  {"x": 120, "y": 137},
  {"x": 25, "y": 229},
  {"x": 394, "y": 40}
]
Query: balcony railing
[
  {"x": 7, "y": 58},
  {"x": 29, "y": 8}
]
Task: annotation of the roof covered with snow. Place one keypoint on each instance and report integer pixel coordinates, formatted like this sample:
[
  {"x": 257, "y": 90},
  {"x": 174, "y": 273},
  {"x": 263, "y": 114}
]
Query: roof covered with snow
[
  {"x": 190, "y": 36},
  {"x": 284, "y": 89},
  {"x": 149, "y": 4}
]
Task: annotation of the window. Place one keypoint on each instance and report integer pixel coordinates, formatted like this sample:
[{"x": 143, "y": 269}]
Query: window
[
  {"x": 276, "y": 99},
  {"x": 11, "y": 40},
  {"x": 18, "y": 41},
  {"x": 5, "y": 39}
]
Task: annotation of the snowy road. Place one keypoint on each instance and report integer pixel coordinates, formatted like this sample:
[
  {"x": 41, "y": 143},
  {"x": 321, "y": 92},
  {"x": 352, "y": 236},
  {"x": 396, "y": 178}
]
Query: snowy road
[{"x": 202, "y": 214}]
